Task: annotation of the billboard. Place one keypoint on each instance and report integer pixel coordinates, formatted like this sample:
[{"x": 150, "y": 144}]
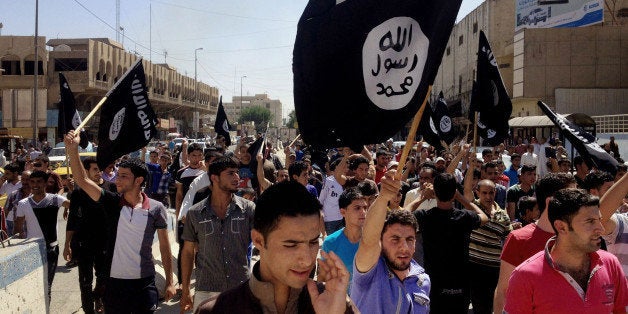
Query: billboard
[{"x": 557, "y": 13}]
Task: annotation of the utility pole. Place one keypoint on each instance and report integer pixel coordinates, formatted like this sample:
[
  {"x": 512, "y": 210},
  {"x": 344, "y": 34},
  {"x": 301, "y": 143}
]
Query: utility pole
[{"x": 195, "y": 123}]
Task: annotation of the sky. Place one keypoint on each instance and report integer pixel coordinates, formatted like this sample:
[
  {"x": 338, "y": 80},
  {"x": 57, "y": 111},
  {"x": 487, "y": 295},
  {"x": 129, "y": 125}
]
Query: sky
[{"x": 252, "y": 38}]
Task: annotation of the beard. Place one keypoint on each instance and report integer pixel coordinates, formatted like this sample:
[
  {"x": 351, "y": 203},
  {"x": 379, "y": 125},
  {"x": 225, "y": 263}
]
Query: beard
[{"x": 390, "y": 261}]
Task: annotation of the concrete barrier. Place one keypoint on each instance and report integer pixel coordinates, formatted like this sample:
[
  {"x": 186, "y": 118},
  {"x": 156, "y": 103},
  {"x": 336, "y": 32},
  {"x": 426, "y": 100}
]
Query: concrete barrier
[{"x": 23, "y": 277}]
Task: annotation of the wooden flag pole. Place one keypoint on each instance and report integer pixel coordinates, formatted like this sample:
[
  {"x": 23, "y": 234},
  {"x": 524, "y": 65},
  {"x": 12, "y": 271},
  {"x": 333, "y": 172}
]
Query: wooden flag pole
[
  {"x": 475, "y": 132},
  {"x": 295, "y": 140},
  {"x": 466, "y": 134},
  {"x": 412, "y": 135},
  {"x": 91, "y": 114}
]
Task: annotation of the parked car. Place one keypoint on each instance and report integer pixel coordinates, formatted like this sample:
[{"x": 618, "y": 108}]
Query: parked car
[{"x": 62, "y": 169}]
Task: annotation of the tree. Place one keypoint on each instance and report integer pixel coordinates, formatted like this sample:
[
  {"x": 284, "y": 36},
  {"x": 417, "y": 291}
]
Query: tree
[
  {"x": 257, "y": 114},
  {"x": 292, "y": 120}
]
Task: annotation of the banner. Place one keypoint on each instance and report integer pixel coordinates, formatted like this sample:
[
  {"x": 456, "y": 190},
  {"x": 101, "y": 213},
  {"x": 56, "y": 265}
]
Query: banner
[
  {"x": 582, "y": 141},
  {"x": 489, "y": 98},
  {"x": 442, "y": 121},
  {"x": 127, "y": 120},
  {"x": 222, "y": 126},
  {"x": 69, "y": 118},
  {"x": 557, "y": 13},
  {"x": 362, "y": 68}
]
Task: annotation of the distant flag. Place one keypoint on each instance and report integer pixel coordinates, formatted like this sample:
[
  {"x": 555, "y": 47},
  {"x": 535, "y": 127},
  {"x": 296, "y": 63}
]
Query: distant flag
[
  {"x": 69, "y": 117},
  {"x": 363, "y": 68},
  {"x": 222, "y": 126},
  {"x": 428, "y": 130},
  {"x": 127, "y": 120},
  {"x": 582, "y": 141},
  {"x": 489, "y": 98},
  {"x": 443, "y": 122}
]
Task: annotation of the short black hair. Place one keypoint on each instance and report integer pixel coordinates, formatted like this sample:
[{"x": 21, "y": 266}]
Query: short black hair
[
  {"x": 549, "y": 185},
  {"x": 87, "y": 162},
  {"x": 566, "y": 203},
  {"x": 525, "y": 204},
  {"x": 444, "y": 186},
  {"x": 334, "y": 163},
  {"x": 355, "y": 163},
  {"x": 487, "y": 151},
  {"x": 195, "y": 146},
  {"x": 13, "y": 167},
  {"x": 528, "y": 168},
  {"x": 138, "y": 168},
  {"x": 209, "y": 154},
  {"x": 284, "y": 199},
  {"x": 367, "y": 188},
  {"x": 578, "y": 160},
  {"x": 515, "y": 155},
  {"x": 43, "y": 158},
  {"x": 219, "y": 165},
  {"x": 400, "y": 216},
  {"x": 382, "y": 152},
  {"x": 40, "y": 174},
  {"x": 348, "y": 196},
  {"x": 296, "y": 168},
  {"x": 595, "y": 179},
  {"x": 488, "y": 164}
]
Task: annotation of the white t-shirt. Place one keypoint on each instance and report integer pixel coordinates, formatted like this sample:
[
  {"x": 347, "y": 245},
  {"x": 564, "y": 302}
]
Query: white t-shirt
[{"x": 329, "y": 198}]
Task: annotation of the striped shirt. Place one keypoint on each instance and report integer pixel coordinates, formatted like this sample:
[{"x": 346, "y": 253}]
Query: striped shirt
[
  {"x": 486, "y": 243},
  {"x": 617, "y": 241}
]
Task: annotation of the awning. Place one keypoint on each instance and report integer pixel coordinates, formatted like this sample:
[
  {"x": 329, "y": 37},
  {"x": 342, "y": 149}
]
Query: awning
[{"x": 580, "y": 119}]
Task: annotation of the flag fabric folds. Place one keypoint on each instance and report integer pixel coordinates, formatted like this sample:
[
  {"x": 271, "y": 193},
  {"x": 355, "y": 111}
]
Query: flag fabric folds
[
  {"x": 489, "y": 97},
  {"x": 582, "y": 141},
  {"x": 428, "y": 130},
  {"x": 222, "y": 126},
  {"x": 69, "y": 117},
  {"x": 442, "y": 121},
  {"x": 127, "y": 120},
  {"x": 362, "y": 68}
]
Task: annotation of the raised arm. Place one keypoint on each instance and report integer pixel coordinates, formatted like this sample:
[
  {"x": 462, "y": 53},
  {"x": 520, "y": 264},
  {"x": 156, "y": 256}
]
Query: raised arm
[
  {"x": 370, "y": 248},
  {"x": 468, "y": 179},
  {"x": 472, "y": 207},
  {"x": 80, "y": 175},
  {"x": 612, "y": 200},
  {"x": 263, "y": 182},
  {"x": 454, "y": 162}
]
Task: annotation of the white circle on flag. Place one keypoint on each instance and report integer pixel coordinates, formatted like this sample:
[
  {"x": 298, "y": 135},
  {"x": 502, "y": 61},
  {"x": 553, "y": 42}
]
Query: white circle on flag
[
  {"x": 116, "y": 125},
  {"x": 225, "y": 126},
  {"x": 432, "y": 126},
  {"x": 445, "y": 124},
  {"x": 393, "y": 58},
  {"x": 490, "y": 133},
  {"x": 76, "y": 119}
]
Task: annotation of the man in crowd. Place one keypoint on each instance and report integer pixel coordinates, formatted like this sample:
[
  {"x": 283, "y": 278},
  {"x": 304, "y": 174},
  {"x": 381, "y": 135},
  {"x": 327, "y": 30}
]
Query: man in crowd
[
  {"x": 298, "y": 172},
  {"x": 572, "y": 274},
  {"x": 42, "y": 163},
  {"x": 382, "y": 158},
  {"x": 447, "y": 253},
  {"x": 219, "y": 229},
  {"x": 527, "y": 241},
  {"x": 615, "y": 223},
  {"x": 385, "y": 277},
  {"x": 287, "y": 231},
  {"x": 489, "y": 172},
  {"x": 132, "y": 220},
  {"x": 85, "y": 239},
  {"x": 159, "y": 177},
  {"x": 344, "y": 242},
  {"x": 10, "y": 182},
  {"x": 14, "y": 197},
  {"x": 582, "y": 169},
  {"x": 525, "y": 187},
  {"x": 39, "y": 212}
]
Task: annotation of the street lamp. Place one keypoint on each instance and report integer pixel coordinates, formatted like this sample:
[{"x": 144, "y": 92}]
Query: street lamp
[
  {"x": 243, "y": 76},
  {"x": 122, "y": 30},
  {"x": 196, "y": 91}
]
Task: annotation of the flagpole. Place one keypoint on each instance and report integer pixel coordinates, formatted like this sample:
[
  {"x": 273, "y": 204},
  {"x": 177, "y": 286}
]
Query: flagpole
[
  {"x": 102, "y": 101},
  {"x": 295, "y": 140},
  {"x": 412, "y": 134},
  {"x": 475, "y": 132}
]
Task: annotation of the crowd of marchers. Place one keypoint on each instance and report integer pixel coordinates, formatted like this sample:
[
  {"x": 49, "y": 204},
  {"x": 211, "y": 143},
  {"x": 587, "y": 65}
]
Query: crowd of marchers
[{"x": 264, "y": 228}]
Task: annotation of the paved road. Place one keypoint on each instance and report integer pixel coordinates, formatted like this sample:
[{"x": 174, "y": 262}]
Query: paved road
[{"x": 66, "y": 296}]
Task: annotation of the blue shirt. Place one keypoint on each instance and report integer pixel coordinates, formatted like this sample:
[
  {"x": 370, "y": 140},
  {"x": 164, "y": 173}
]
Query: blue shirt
[
  {"x": 379, "y": 290},
  {"x": 512, "y": 174},
  {"x": 338, "y": 243}
]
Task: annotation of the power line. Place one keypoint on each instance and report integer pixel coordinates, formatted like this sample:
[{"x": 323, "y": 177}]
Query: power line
[{"x": 224, "y": 14}]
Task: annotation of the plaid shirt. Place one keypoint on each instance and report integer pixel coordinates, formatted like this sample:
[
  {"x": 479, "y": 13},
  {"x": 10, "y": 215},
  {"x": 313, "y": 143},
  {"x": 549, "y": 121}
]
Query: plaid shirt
[
  {"x": 164, "y": 182},
  {"x": 159, "y": 180}
]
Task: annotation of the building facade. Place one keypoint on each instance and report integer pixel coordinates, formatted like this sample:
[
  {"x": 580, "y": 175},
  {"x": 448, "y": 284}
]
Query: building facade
[
  {"x": 92, "y": 66},
  {"x": 237, "y": 104}
]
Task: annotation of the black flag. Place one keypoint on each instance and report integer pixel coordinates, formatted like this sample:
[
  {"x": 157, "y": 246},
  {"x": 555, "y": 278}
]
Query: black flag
[
  {"x": 222, "y": 126},
  {"x": 489, "y": 98},
  {"x": 443, "y": 122},
  {"x": 428, "y": 130},
  {"x": 362, "y": 68},
  {"x": 127, "y": 120},
  {"x": 582, "y": 141},
  {"x": 69, "y": 117}
]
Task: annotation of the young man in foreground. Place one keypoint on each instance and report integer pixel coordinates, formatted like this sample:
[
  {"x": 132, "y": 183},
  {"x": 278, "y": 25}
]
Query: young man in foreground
[{"x": 286, "y": 231}]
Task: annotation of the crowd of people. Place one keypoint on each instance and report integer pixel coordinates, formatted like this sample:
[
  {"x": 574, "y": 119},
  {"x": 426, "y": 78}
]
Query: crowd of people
[{"x": 516, "y": 229}]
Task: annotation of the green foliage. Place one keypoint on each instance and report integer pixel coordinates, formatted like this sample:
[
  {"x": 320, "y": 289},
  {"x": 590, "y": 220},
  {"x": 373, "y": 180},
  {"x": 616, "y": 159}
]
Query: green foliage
[
  {"x": 292, "y": 120},
  {"x": 259, "y": 115}
]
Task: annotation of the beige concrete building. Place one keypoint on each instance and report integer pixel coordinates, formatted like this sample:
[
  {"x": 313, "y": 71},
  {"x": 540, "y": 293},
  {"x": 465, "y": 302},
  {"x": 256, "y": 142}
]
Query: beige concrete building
[
  {"x": 234, "y": 108},
  {"x": 92, "y": 66},
  {"x": 581, "y": 69}
]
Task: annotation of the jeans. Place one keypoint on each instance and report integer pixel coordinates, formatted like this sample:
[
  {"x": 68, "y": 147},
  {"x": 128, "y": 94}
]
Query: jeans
[
  {"x": 52, "y": 257},
  {"x": 90, "y": 259},
  {"x": 131, "y": 295},
  {"x": 180, "y": 239},
  {"x": 483, "y": 283}
]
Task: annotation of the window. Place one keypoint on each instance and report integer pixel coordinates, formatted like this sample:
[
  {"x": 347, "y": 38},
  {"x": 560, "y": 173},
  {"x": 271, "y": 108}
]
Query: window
[
  {"x": 11, "y": 67},
  {"x": 70, "y": 64},
  {"x": 29, "y": 67},
  {"x": 448, "y": 50},
  {"x": 268, "y": 105},
  {"x": 475, "y": 27},
  {"x": 460, "y": 40}
]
